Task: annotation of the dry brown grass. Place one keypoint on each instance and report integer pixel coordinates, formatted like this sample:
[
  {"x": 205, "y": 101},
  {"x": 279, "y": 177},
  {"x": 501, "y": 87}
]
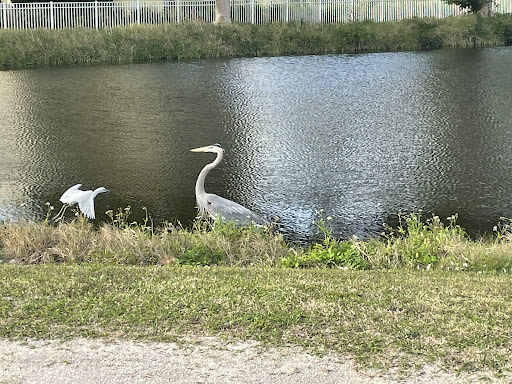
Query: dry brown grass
[{"x": 79, "y": 241}]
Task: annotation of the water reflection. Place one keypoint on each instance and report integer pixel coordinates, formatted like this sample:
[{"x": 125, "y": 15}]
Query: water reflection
[
  {"x": 360, "y": 136},
  {"x": 337, "y": 143},
  {"x": 473, "y": 136}
]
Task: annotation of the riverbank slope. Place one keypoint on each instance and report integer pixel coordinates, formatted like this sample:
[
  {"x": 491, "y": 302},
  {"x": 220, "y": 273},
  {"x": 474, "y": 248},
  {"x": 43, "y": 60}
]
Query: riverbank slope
[{"x": 42, "y": 47}]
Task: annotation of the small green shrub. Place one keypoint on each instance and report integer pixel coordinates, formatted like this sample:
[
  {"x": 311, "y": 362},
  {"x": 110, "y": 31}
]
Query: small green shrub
[
  {"x": 330, "y": 252},
  {"x": 424, "y": 243},
  {"x": 428, "y": 33}
]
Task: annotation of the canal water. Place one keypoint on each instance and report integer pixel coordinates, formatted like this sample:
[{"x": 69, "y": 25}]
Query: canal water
[{"x": 361, "y": 137}]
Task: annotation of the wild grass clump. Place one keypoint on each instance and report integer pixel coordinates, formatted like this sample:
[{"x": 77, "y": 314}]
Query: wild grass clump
[
  {"x": 425, "y": 244},
  {"x": 422, "y": 244},
  {"x": 415, "y": 243},
  {"x": 329, "y": 252},
  {"x": 124, "y": 242},
  {"x": 43, "y": 47}
]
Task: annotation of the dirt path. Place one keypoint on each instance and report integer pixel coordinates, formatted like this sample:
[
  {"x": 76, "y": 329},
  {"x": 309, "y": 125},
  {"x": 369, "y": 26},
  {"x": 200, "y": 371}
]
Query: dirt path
[{"x": 94, "y": 361}]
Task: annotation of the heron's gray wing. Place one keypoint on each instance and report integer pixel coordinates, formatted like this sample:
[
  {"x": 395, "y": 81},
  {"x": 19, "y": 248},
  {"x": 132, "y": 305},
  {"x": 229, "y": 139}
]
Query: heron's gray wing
[{"x": 228, "y": 210}]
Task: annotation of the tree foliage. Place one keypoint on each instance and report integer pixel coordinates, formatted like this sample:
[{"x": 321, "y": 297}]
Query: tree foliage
[{"x": 474, "y": 6}]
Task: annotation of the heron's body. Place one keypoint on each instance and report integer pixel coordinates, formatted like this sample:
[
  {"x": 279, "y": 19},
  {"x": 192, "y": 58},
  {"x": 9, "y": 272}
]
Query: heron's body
[
  {"x": 214, "y": 206},
  {"x": 84, "y": 199}
]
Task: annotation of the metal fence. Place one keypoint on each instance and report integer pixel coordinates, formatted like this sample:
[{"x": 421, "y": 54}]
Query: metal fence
[{"x": 123, "y": 13}]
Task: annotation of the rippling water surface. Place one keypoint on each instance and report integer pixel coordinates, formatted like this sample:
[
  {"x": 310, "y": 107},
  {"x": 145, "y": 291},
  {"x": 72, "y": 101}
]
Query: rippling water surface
[{"x": 360, "y": 136}]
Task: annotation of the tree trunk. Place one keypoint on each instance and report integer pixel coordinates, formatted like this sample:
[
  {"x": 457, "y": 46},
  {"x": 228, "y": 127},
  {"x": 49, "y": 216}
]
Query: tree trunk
[
  {"x": 222, "y": 11},
  {"x": 488, "y": 8}
]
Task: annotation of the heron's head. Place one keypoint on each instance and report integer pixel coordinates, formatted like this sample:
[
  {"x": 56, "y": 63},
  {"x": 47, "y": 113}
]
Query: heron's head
[{"x": 214, "y": 148}]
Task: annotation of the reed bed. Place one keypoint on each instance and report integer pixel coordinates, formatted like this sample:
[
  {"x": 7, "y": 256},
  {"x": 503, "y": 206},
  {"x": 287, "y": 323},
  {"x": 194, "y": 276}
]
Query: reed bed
[{"x": 43, "y": 47}]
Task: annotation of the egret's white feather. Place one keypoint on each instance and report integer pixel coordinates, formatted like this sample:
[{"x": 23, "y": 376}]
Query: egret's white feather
[
  {"x": 84, "y": 199},
  {"x": 68, "y": 196},
  {"x": 87, "y": 207}
]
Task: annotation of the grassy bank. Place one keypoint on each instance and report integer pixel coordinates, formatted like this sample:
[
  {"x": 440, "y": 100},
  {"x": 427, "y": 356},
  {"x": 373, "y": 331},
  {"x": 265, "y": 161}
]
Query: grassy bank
[
  {"x": 202, "y": 41},
  {"x": 416, "y": 243},
  {"x": 422, "y": 292}
]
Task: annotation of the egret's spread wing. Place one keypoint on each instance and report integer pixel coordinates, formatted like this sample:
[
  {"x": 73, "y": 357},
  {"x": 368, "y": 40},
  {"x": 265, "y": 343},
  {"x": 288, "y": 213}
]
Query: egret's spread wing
[
  {"x": 228, "y": 210},
  {"x": 68, "y": 197},
  {"x": 87, "y": 207}
]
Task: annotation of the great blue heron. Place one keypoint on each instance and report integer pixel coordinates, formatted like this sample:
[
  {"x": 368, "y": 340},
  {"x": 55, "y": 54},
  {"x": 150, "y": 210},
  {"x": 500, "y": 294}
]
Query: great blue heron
[
  {"x": 85, "y": 200},
  {"x": 213, "y": 206}
]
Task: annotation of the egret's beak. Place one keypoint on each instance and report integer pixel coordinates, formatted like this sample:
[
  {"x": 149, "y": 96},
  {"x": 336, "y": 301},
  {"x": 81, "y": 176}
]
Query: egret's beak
[{"x": 201, "y": 149}]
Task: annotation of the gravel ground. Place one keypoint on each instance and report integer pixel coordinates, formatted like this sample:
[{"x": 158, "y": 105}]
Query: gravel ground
[{"x": 207, "y": 361}]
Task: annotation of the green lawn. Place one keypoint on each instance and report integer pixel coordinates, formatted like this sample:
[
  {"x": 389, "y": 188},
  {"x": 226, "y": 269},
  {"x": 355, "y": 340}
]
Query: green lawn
[{"x": 389, "y": 318}]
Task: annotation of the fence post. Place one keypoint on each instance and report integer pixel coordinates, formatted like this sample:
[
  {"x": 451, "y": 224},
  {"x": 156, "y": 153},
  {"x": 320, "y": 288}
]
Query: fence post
[
  {"x": 320, "y": 11},
  {"x": 177, "y": 11},
  {"x": 138, "y": 12},
  {"x": 4, "y": 15},
  {"x": 52, "y": 23},
  {"x": 287, "y": 11},
  {"x": 96, "y": 14},
  {"x": 252, "y": 12}
]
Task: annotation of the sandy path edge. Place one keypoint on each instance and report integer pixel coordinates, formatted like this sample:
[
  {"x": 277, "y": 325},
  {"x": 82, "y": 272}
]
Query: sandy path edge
[{"x": 208, "y": 361}]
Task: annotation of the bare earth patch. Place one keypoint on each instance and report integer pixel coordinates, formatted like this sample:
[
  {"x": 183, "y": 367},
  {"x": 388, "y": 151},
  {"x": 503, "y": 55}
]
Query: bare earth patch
[{"x": 206, "y": 361}]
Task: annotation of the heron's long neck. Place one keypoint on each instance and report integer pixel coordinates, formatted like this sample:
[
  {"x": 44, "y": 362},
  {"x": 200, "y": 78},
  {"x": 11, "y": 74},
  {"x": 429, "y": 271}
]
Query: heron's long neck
[{"x": 202, "y": 176}]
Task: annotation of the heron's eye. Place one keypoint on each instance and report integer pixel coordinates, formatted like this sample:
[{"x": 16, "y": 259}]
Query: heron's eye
[{"x": 209, "y": 203}]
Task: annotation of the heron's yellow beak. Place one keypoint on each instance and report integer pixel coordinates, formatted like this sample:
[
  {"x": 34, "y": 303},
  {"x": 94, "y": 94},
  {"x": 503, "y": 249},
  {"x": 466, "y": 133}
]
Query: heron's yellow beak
[{"x": 201, "y": 149}]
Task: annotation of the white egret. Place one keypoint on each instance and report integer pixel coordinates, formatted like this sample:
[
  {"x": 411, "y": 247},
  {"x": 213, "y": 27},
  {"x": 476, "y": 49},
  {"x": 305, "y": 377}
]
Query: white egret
[
  {"x": 213, "y": 206},
  {"x": 85, "y": 200}
]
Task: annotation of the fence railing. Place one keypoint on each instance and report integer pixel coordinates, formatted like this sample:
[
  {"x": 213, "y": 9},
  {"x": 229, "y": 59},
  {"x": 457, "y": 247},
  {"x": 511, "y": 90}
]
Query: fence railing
[{"x": 56, "y": 15}]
